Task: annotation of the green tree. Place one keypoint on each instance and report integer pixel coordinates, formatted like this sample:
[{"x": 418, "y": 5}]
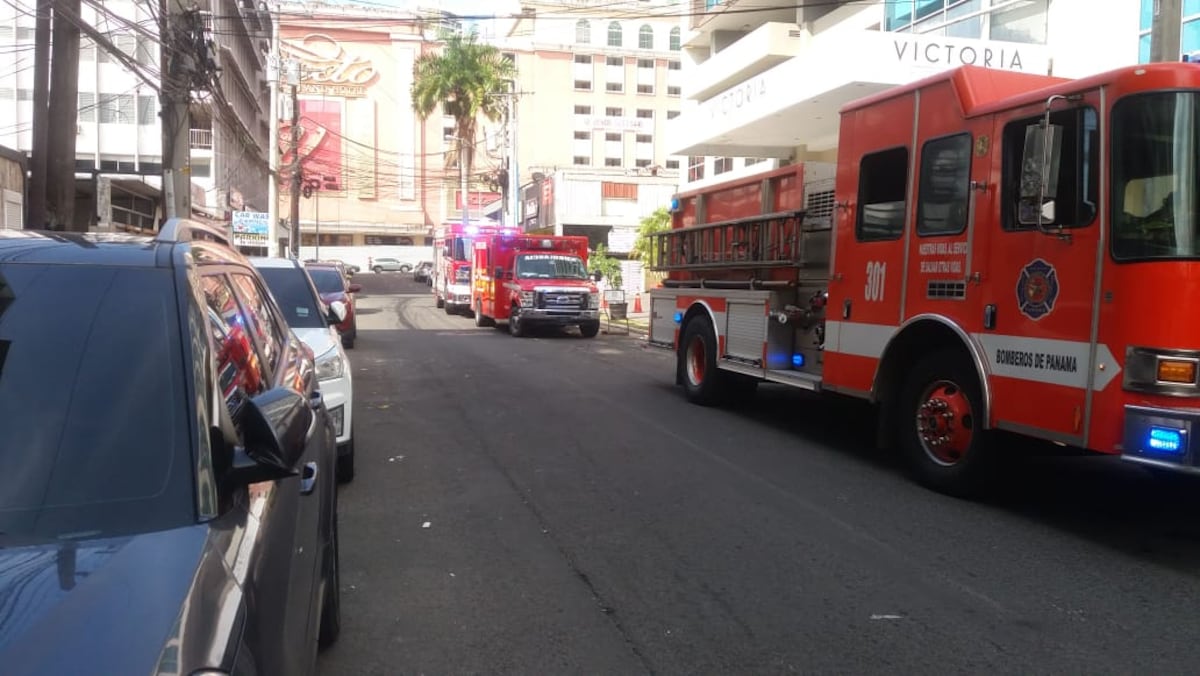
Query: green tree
[
  {"x": 470, "y": 80},
  {"x": 658, "y": 221},
  {"x": 600, "y": 261}
]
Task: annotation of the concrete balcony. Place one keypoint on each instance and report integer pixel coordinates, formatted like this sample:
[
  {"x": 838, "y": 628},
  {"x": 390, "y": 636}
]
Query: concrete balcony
[{"x": 759, "y": 51}]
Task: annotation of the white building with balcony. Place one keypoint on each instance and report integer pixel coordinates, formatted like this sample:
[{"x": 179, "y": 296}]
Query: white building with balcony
[{"x": 763, "y": 85}]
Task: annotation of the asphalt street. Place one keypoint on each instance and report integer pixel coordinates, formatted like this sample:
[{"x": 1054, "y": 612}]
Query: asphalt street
[{"x": 552, "y": 505}]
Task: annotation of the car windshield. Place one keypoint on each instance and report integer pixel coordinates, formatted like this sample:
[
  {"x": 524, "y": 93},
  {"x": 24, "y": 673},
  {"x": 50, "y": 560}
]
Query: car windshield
[
  {"x": 1156, "y": 176},
  {"x": 327, "y": 280},
  {"x": 294, "y": 295},
  {"x": 95, "y": 434},
  {"x": 550, "y": 266}
]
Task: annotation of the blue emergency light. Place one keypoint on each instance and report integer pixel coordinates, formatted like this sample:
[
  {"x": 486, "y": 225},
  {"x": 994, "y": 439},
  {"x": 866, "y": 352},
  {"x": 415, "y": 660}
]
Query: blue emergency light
[
  {"x": 678, "y": 317},
  {"x": 674, "y": 205},
  {"x": 1164, "y": 440},
  {"x": 798, "y": 360}
]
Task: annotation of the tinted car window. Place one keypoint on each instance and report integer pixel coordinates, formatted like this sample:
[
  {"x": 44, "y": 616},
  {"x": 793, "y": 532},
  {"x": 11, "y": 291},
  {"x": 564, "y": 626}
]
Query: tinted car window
[
  {"x": 94, "y": 438},
  {"x": 266, "y": 324},
  {"x": 294, "y": 295},
  {"x": 239, "y": 368},
  {"x": 327, "y": 280}
]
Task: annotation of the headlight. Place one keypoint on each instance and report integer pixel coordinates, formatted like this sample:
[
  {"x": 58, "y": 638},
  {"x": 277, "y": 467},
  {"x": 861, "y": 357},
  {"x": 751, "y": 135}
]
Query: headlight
[
  {"x": 593, "y": 301},
  {"x": 330, "y": 365},
  {"x": 526, "y": 299}
]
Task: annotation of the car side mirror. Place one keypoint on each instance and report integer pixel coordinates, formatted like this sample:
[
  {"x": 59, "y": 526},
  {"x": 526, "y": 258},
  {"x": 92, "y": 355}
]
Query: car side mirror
[
  {"x": 274, "y": 428},
  {"x": 337, "y": 312},
  {"x": 355, "y": 288},
  {"x": 597, "y": 275}
]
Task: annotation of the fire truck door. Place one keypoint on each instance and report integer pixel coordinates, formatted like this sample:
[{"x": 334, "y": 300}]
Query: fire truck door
[
  {"x": 481, "y": 289},
  {"x": 1038, "y": 273}
]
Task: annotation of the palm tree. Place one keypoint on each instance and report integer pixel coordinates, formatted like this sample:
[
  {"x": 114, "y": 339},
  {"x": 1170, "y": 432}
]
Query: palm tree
[{"x": 469, "y": 79}]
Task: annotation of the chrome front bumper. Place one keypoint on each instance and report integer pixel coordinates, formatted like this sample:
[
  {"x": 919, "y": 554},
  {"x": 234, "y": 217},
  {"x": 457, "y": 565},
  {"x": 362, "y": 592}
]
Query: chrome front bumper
[{"x": 559, "y": 316}]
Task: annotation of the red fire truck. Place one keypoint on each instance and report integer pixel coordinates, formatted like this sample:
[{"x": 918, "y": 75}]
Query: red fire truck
[
  {"x": 451, "y": 275},
  {"x": 527, "y": 280},
  {"x": 992, "y": 253}
]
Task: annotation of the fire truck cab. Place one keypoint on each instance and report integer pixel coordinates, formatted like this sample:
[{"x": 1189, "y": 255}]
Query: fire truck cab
[
  {"x": 530, "y": 280},
  {"x": 450, "y": 278},
  {"x": 992, "y": 252}
]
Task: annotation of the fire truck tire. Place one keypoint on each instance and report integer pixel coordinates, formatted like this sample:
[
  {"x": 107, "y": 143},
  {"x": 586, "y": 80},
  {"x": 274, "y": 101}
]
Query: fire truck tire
[
  {"x": 480, "y": 320},
  {"x": 589, "y": 329},
  {"x": 439, "y": 302},
  {"x": 698, "y": 363},
  {"x": 938, "y": 426},
  {"x": 515, "y": 327},
  {"x": 448, "y": 308}
]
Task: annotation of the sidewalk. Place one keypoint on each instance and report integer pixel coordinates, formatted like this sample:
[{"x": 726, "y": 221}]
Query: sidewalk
[{"x": 638, "y": 322}]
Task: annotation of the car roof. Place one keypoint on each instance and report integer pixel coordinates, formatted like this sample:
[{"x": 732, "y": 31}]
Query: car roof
[
  {"x": 35, "y": 246},
  {"x": 261, "y": 262}
]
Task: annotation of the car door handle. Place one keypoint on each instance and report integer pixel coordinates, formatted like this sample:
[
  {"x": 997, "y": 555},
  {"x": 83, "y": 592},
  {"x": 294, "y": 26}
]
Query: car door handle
[{"x": 308, "y": 479}]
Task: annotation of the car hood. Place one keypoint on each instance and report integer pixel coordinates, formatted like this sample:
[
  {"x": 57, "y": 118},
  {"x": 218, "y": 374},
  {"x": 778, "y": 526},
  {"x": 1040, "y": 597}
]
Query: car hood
[
  {"x": 95, "y": 606},
  {"x": 318, "y": 340}
]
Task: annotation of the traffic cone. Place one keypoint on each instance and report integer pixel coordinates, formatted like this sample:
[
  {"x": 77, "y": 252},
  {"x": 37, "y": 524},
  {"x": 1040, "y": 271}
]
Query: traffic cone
[{"x": 637, "y": 303}]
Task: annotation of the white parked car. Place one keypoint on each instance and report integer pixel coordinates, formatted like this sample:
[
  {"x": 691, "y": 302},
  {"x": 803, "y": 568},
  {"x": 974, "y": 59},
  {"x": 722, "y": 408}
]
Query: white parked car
[{"x": 314, "y": 324}]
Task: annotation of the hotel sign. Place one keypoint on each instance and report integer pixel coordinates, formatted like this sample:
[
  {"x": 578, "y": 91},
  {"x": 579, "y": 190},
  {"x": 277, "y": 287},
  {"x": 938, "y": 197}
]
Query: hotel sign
[
  {"x": 640, "y": 124},
  {"x": 326, "y": 67}
]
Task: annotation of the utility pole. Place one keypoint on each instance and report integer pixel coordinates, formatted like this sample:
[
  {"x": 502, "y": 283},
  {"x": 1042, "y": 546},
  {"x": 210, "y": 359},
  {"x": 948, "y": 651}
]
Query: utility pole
[
  {"x": 1165, "y": 30},
  {"x": 61, "y": 116},
  {"x": 294, "y": 239},
  {"x": 41, "y": 107},
  {"x": 462, "y": 174},
  {"x": 178, "y": 66},
  {"x": 514, "y": 163},
  {"x": 273, "y": 70}
]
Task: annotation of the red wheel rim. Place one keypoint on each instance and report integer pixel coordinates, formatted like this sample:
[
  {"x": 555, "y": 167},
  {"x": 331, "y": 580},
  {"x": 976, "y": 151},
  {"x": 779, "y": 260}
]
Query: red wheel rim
[
  {"x": 695, "y": 360},
  {"x": 945, "y": 422}
]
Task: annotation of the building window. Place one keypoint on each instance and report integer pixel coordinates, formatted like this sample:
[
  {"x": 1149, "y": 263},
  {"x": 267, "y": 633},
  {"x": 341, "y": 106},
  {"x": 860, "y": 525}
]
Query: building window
[
  {"x": 981, "y": 19},
  {"x": 614, "y": 87},
  {"x": 583, "y": 136},
  {"x": 581, "y": 160},
  {"x": 674, "y": 65},
  {"x": 583, "y": 85},
  {"x": 645, "y": 63},
  {"x": 672, "y": 114},
  {"x": 722, "y": 165},
  {"x": 675, "y": 39},
  {"x": 583, "y": 59},
  {"x": 672, "y": 91},
  {"x": 583, "y": 32},
  {"x": 147, "y": 110},
  {"x": 614, "y": 34},
  {"x": 87, "y": 107},
  {"x": 645, "y": 89},
  {"x": 613, "y": 112},
  {"x": 882, "y": 178},
  {"x": 612, "y": 161},
  {"x": 614, "y": 61},
  {"x": 645, "y": 37},
  {"x": 642, "y": 164},
  {"x": 612, "y": 137},
  {"x": 645, "y": 114},
  {"x": 751, "y": 161},
  {"x": 672, "y": 164},
  {"x": 945, "y": 186},
  {"x": 645, "y": 138},
  {"x": 695, "y": 168},
  {"x": 583, "y": 110}
]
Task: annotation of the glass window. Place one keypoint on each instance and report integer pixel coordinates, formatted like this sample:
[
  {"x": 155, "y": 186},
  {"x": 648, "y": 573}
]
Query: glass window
[
  {"x": 239, "y": 368},
  {"x": 1190, "y": 38},
  {"x": 1022, "y": 22},
  {"x": 899, "y": 14},
  {"x": 675, "y": 39},
  {"x": 263, "y": 320},
  {"x": 1073, "y": 180},
  {"x": 945, "y": 186},
  {"x": 95, "y": 435},
  {"x": 295, "y": 296},
  {"x": 327, "y": 280},
  {"x": 1156, "y": 181},
  {"x": 645, "y": 37},
  {"x": 550, "y": 266},
  {"x": 583, "y": 32},
  {"x": 614, "y": 34},
  {"x": 882, "y": 182},
  {"x": 958, "y": 27},
  {"x": 1144, "y": 49}
]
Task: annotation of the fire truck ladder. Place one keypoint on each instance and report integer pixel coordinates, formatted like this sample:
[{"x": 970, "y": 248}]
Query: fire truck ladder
[{"x": 763, "y": 241}]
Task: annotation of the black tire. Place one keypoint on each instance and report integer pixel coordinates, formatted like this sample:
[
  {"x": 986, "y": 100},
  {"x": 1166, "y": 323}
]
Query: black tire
[
  {"x": 939, "y": 429},
  {"x": 345, "y": 462},
  {"x": 331, "y": 607},
  {"x": 439, "y": 301},
  {"x": 377, "y": 270},
  {"x": 516, "y": 327},
  {"x": 697, "y": 363},
  {"x": 481, "y": 320},
  {"x": 589, "y": 329},
  {"x": 405, "y": 269},
  {"x": 348, "y": 340},
  {"x": 448, "y": 308}
]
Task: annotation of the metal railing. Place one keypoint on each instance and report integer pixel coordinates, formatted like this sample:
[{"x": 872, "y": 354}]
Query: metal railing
[{"x": 200, "y": 138}]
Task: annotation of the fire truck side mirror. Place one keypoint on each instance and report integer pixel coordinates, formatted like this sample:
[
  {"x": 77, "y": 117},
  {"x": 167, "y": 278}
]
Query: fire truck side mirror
[
  {"x": 597, "y": 275},
  {"x": 499, "y": 272}
]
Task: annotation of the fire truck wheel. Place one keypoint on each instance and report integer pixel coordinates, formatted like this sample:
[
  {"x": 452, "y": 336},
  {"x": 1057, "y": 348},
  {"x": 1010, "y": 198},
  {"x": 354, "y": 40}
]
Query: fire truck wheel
[
  {"x": 589, "y": 329},
  {"x": 515, "y": 328},
  {"x": 939, "y": 429},
  {"x": 439, "y": 302},
  {"x": 480, "y": 320},
  {"x": 698, "y": 363}
]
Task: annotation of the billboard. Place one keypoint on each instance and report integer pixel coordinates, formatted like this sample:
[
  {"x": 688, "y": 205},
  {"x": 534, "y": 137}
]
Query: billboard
[{"x": 249, "y": 228}]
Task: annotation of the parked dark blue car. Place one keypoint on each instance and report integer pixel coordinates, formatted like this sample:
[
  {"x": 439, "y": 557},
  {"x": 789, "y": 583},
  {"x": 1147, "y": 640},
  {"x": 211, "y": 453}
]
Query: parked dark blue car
[{"x": 167, "y": 493}]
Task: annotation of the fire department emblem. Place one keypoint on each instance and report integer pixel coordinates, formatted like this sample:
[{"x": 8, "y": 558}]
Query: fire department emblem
[{"x": 1037, "y": 289}]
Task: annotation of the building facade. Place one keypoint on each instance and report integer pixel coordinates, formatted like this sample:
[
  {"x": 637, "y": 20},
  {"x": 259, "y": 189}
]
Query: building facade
[
  {"x": 763, "y": 88},
  {"x": 12, "y": 189},
  {"x": 374, "y": 169}
]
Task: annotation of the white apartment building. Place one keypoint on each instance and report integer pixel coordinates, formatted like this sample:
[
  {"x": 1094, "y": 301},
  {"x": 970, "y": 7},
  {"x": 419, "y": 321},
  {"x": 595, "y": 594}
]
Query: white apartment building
[
  {"x": 118, "y": 132},
  {"x": 764, "y": 87}
]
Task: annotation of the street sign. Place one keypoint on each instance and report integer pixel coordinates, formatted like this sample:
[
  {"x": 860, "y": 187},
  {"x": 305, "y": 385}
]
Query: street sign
[{"x": 250, "y": 228}]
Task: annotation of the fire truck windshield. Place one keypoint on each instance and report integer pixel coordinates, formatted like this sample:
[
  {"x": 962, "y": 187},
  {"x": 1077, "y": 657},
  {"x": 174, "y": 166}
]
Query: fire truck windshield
[
  {"x": 461, "y": 246},
  {"x": 550, "y": 266},
  {"x": 1156, "y": 180}
]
